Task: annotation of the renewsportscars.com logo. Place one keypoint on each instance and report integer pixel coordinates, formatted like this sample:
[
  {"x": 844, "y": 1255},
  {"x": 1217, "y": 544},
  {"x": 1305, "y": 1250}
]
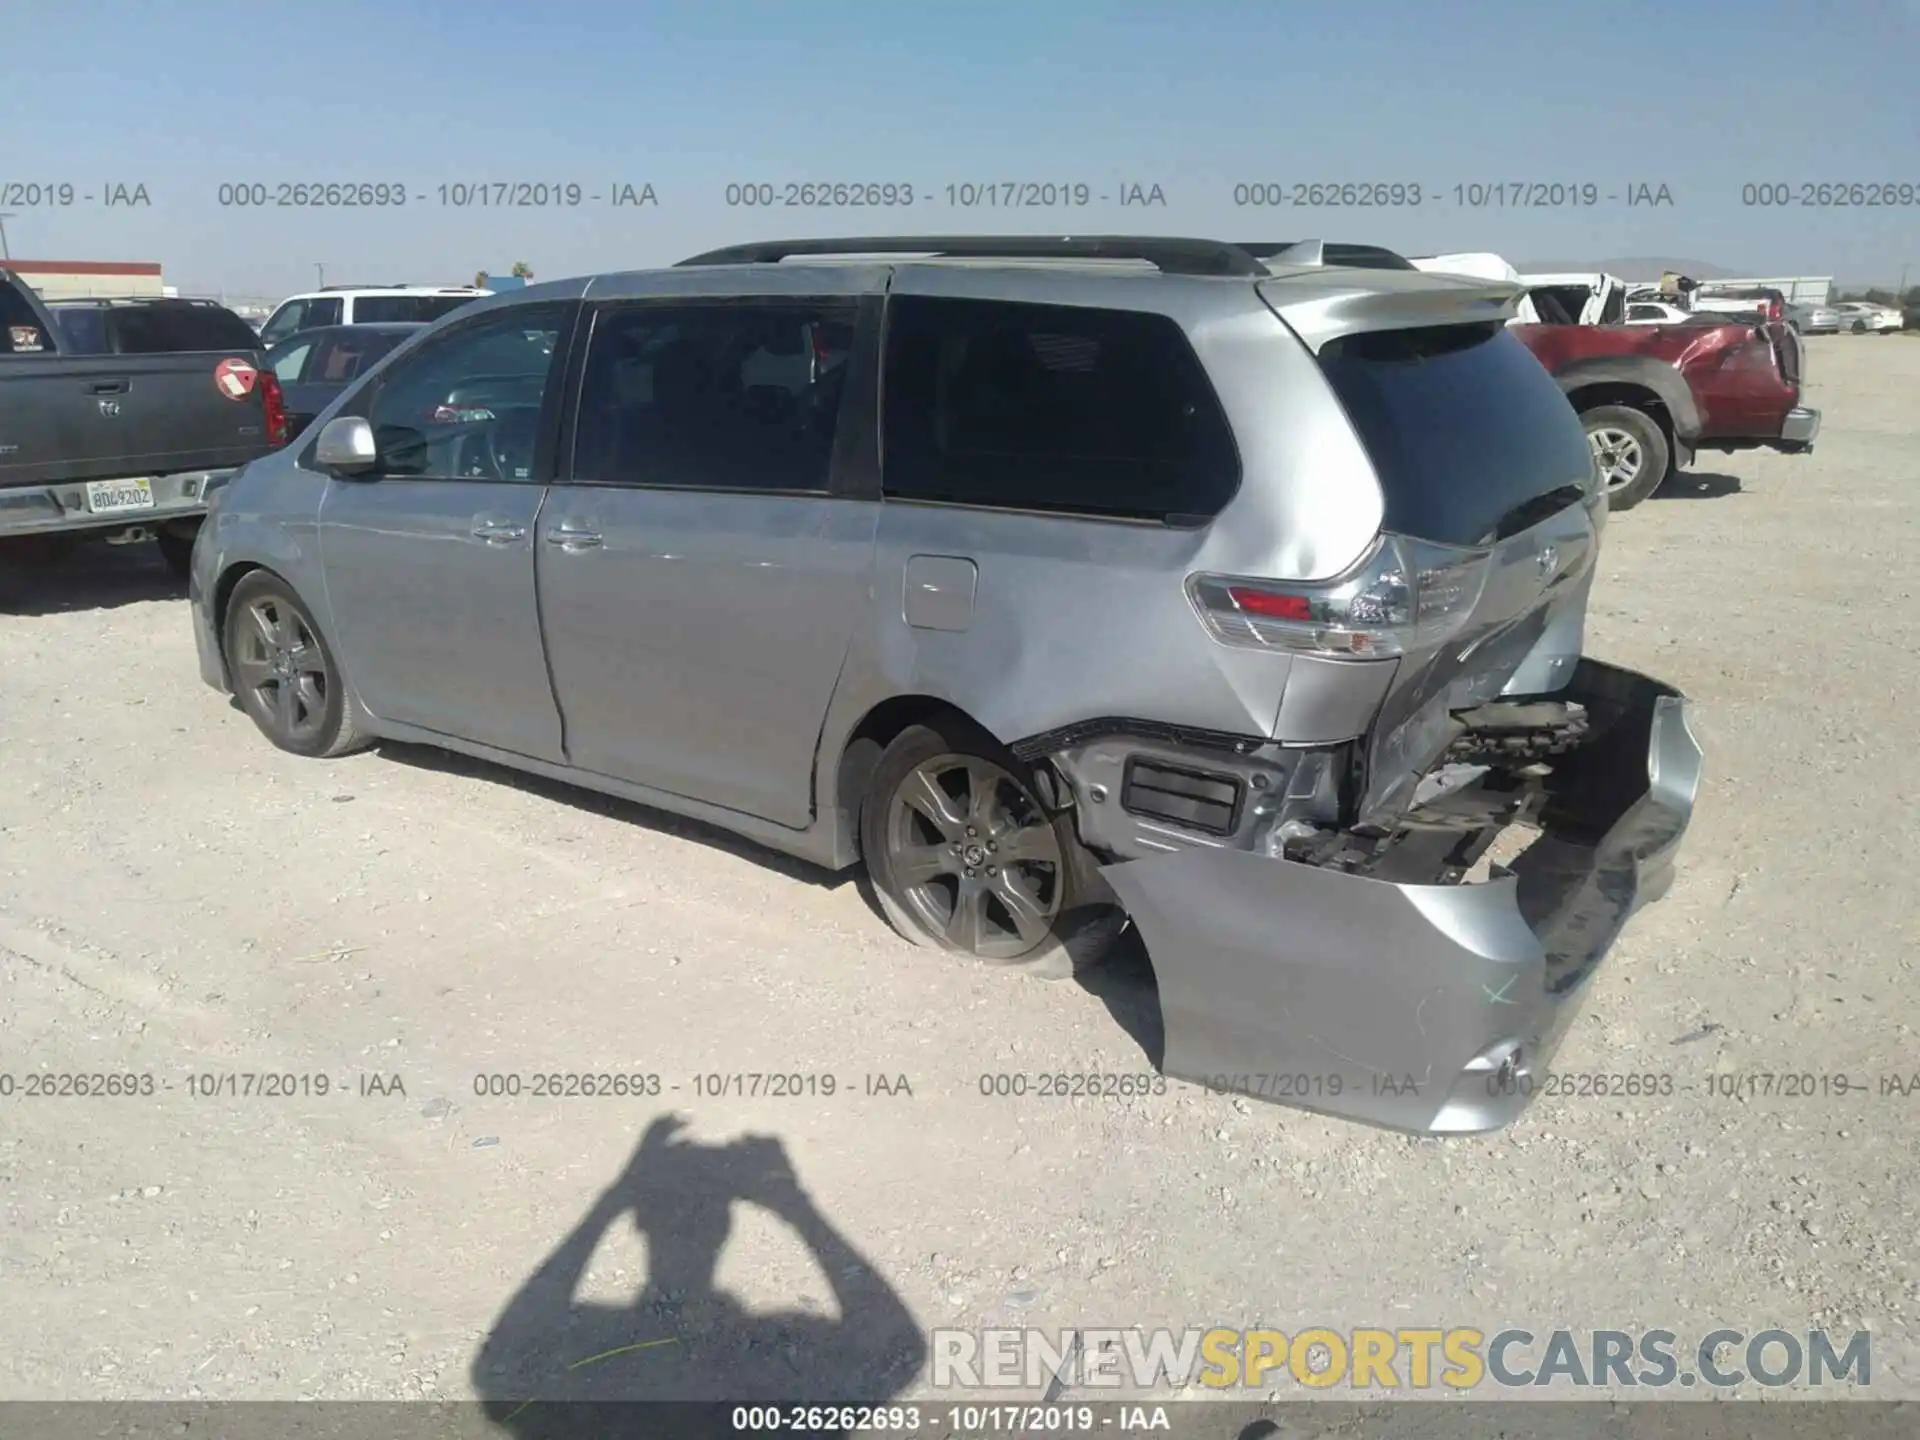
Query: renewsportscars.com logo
[{"x": 1399, "y": 1359}]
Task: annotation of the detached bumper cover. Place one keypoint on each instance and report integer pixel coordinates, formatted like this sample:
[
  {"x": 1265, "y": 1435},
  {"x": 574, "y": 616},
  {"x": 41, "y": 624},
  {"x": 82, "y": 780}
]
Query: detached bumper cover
[{"x": 1399, "y": 1004}]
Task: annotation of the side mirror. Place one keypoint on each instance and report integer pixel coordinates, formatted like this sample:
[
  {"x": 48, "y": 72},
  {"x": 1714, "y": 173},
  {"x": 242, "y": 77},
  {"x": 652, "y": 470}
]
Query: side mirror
[{"x": 346, "y": 447}]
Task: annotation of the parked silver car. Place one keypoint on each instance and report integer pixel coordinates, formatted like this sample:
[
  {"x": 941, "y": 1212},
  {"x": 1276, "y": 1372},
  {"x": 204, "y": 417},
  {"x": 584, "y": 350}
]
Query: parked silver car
[
  {"x": 1814, "y": 319},
  {"x": 1862, "y": 317},
  {"x": 1064, "y": 582}
]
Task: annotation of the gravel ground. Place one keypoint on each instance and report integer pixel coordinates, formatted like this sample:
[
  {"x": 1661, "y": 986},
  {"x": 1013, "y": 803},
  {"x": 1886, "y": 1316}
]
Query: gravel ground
[{"x": 178, "y": 899}]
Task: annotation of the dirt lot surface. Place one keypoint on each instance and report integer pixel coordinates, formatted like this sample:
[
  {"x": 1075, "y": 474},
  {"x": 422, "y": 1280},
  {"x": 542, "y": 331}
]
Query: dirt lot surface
[{"x": 178, "y": 899}]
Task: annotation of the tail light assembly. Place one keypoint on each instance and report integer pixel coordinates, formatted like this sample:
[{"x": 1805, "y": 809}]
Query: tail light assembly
[
  {"x": 275, "y": 401},
  {"x": 1405, "y": 595}
]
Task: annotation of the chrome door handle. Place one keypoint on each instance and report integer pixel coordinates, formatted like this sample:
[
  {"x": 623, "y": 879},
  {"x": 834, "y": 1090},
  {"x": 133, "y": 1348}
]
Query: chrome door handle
[
  {"x": 497, "y": 533},
  {"x": 574, "y": 537}
]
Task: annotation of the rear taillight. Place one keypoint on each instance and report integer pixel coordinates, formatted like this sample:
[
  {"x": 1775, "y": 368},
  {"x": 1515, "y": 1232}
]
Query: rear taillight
[
  {"x": 1406, "y": 595},
  {"x": 275, "y": 400}
]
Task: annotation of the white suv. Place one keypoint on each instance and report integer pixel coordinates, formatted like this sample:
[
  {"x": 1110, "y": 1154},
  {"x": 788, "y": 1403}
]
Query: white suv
[{"x": 365, "y": 305}]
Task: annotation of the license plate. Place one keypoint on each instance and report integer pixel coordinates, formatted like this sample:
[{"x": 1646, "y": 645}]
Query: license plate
[{"x": 112, "y": 497}]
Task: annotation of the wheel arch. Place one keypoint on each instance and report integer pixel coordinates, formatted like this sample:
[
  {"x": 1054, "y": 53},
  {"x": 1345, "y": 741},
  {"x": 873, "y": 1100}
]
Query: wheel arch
[
  {"x": 1632, "y": 395},
  {"x": 1638, "y": 380},
  {"x": 852, "y": 765},
  {"x": 222, "y": 600}
]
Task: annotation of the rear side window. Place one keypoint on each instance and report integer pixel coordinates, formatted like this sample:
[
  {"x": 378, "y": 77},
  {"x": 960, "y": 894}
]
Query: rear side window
[
  {"x": 1042, "y": 407},
  {"x": 405, "y": 309},
  {"x": 346, "y": 354},
  {"x": 166, "y": 329},
  {"x": 83, "y": 329},
  {"x": 1466, "y": 429},
  {"x": 736, "y": 396}
]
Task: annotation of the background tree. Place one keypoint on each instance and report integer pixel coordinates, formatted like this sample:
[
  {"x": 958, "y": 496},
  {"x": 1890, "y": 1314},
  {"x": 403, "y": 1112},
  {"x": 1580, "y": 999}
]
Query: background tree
[{"x": 523, "y": 270}]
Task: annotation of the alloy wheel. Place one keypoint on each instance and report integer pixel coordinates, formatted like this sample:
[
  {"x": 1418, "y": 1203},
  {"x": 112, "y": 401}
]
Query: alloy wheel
[
  {"x": 1617, "y": 456},
  {"x": 281, "y": 671},
  {"x": 974, "y": 857}
]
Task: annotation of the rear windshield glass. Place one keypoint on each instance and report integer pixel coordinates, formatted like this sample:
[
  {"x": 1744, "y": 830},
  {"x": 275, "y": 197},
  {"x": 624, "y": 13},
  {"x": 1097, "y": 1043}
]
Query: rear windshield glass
[
  {"x": 1466, "y": 429},
  {"x": 163, "y": 329},
  {"x": 404, "y": 309}
]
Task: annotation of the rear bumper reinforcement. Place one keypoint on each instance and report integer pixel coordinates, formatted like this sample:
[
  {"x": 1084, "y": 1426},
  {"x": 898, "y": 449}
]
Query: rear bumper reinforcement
[{"x": 1420, "y": 1007}]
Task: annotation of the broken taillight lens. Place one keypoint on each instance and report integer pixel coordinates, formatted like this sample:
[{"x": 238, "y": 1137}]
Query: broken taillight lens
[{"x": 1405, "y": 595}]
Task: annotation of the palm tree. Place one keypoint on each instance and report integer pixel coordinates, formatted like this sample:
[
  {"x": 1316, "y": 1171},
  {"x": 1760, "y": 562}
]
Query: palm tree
[
  {"x": 479, "y": 279},
  {"x": 523, "y": 270}
]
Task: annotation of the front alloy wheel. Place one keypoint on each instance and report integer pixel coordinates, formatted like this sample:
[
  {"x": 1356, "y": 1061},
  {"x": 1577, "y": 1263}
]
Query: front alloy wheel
[{"x": 282, "y": 671}]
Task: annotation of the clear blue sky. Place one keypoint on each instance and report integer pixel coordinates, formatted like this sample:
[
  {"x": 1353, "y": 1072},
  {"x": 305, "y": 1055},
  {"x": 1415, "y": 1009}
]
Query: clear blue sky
[{"x": 1192, "y": 95}]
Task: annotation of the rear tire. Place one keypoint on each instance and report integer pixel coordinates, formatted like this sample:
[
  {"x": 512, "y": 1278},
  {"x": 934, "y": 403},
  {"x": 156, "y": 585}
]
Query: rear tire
[
  {"x": 1630, "y": 451},
  {"x": 283, "y": 674},
  {"x": 965, "y": 858}
]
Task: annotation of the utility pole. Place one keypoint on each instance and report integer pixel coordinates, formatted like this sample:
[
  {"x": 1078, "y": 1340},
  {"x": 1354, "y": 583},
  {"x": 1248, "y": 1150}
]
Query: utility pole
[
  {"x": 5, "y": 253},
  {"x": 321, "y": 270}
]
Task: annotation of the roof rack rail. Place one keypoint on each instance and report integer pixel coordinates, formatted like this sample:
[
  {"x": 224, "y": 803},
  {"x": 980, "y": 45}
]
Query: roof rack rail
[
  {"x": 1325, "y": 252},
  {"x": 59, "y": 300},
  {"x": 1173, "y": 255}
]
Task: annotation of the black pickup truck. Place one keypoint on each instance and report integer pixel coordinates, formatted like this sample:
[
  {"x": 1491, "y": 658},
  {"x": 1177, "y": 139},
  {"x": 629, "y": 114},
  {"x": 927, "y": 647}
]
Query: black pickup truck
[{"x": 124, "y": 445}]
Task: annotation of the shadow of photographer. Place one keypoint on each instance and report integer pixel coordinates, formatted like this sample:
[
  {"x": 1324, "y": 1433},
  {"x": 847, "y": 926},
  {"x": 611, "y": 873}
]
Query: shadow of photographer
[{"x": 681, "y": 1339}]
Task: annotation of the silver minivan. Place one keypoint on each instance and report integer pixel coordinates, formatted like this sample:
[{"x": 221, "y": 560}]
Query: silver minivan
[{"x": 1067, "y": 584}]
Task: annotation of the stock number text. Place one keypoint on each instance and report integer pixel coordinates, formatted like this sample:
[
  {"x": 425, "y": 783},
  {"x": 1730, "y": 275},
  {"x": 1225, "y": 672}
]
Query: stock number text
[
  {"x": 1832, "y": 195},
  {"x": 52, "y": 1085},
  {"x": 318, "y": 195},
  {"x": 567, "y": 1085},
  {"x": 1069, "y": 1085}
]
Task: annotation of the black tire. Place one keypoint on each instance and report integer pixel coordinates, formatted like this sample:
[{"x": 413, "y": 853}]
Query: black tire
[
  {"x": 1859, "y": 327},
  {"x": 176, "y": 550},
  {"x": 1655, "y": 466},
  {"x": 283, "y": 672},
  {"x": 1041, "y": 914}
]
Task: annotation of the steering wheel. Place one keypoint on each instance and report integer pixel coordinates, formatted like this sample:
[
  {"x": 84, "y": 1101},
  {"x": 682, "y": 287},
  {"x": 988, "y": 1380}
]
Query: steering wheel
[{"x": 508, "y": 444}]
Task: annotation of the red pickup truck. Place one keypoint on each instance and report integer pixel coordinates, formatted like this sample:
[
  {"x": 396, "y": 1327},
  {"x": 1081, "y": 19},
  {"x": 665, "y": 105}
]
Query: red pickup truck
[{"x": 1650, "y": 395}]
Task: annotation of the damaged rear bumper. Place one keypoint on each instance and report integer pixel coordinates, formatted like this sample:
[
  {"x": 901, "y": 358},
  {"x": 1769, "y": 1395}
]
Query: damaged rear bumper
[{"x": 1421, "y": 1007}]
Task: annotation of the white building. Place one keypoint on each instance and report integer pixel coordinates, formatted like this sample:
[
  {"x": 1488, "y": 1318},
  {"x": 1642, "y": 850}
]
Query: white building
[
  {"x": 1799, "y": 289},
  {"x": 78, "y": 279}
]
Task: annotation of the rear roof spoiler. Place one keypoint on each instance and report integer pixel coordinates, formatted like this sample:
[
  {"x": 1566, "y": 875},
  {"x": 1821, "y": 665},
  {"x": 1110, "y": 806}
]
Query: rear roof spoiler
[
  {"x": 1325, "y": 252},
  {"x": 1324, "y": 313}
]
